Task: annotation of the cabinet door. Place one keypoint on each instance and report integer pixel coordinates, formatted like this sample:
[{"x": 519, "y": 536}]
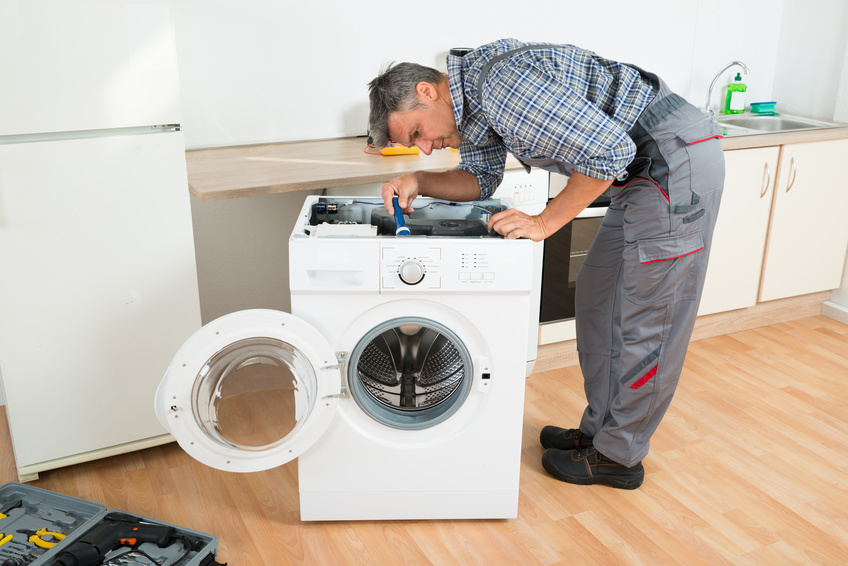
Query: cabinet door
[
  {"x": 86, "y": 65},
  {"x": 733, "y": 275},
  {"x": 808, "y": 235},
  {"x": 99, "y": 289}
]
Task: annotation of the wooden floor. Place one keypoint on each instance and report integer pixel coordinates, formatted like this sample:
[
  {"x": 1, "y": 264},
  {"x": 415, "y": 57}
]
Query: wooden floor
[{"x": 750, "y": 466}]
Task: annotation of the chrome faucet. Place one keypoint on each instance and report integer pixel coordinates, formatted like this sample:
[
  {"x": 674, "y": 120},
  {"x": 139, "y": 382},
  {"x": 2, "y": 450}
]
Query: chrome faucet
[{"x": 708, "y": 109}]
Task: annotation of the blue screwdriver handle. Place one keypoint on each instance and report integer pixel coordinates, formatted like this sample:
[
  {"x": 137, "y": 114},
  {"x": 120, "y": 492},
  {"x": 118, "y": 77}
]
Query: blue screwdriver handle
[{"x": 401, "y": 229}]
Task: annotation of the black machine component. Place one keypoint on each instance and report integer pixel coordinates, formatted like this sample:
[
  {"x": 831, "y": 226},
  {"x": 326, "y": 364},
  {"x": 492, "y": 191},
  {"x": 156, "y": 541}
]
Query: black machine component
[
  {"x": 471, "y": 224},
  {"x": 386, "y": 225}
]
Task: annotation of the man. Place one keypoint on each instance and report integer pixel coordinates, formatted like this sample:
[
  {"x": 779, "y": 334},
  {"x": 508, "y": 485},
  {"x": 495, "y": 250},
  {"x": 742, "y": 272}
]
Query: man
[{"x": 613, "y": 129}]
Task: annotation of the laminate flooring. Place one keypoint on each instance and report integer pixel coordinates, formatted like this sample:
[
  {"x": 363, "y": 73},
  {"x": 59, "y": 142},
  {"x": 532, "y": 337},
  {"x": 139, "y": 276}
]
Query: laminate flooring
[{"x": 748, "y": 467}]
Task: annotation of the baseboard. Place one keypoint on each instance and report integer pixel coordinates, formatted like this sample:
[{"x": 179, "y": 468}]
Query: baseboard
[
  {"x": 837, "y": 312},
  {"x": 564, "y": 354},
  {"x": 30, "y": 472}
]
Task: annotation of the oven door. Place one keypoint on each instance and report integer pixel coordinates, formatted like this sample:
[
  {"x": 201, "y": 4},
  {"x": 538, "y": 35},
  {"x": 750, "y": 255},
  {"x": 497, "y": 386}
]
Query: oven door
[{"x": 564, "y": 254}]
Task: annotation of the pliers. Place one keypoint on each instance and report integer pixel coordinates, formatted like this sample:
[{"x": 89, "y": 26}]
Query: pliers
[
  {"x": 5, "y": 538},
  {"x": 37, "y": 537}
]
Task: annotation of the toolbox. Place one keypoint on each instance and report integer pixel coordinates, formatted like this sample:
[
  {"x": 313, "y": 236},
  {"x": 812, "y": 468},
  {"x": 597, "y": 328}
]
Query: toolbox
[{"x": 43, "y": 528}]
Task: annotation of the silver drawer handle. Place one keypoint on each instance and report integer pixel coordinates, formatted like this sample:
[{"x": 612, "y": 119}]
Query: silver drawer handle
[
  {"x": 793, "y": 172},
  {"x": 766, "y": 181}
]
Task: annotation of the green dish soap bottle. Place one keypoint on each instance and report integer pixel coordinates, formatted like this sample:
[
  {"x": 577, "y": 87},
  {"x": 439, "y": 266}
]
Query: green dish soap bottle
[{"x": 735, "y": 103}]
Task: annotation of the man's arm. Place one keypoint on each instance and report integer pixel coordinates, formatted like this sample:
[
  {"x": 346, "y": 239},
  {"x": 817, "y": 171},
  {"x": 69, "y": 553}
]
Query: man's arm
[
  {"x": 579, "y": 193},
  {"x": 455, "y": 185}
]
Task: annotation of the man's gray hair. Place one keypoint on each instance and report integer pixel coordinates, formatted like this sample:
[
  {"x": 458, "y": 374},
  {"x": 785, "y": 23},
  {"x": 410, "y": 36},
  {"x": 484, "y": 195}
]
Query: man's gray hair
[{"x": 394, "y": 90}]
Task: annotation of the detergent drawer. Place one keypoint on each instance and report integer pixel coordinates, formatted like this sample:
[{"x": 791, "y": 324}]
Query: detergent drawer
[
  {"x": 334, "y": 265},
  {"x": 43, "y": 528}
]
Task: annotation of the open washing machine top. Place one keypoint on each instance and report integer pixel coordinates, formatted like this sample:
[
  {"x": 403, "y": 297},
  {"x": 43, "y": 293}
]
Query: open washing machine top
[
  {"x": 349, "y": 245},
  {"x": 343, "y": 216}
]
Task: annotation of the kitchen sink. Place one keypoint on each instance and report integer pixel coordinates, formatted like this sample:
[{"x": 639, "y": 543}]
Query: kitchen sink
[{"x": 751, "y": 124}]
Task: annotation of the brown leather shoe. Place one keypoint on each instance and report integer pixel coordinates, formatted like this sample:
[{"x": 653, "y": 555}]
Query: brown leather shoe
[
  {"x": 588, "y": 467},
  {"x": 564, "y": 438}
]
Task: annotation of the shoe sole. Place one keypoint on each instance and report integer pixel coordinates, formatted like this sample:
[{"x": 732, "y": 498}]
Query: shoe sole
[{"x": 618, "y": 482}]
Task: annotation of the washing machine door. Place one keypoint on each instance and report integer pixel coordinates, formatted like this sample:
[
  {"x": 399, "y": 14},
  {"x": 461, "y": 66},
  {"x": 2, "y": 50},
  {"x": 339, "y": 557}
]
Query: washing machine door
[{"x": 250, "y": 391}]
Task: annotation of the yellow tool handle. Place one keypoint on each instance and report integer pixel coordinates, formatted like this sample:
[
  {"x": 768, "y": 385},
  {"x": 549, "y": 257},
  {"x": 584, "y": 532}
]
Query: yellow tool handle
[
  {"x": 37, "y": 539},
  {"x": 5, "y": 538},
  {"x": 398, "y": 149}
]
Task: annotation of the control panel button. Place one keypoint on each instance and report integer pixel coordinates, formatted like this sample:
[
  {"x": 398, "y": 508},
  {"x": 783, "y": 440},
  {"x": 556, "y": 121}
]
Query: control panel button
[{"x": 411, "y": 272}]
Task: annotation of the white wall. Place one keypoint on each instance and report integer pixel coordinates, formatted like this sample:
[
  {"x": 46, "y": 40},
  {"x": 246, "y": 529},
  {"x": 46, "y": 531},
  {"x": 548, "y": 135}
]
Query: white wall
[
  {"x": 812, "y": 49},
  {"x": 269, "y": 71}
]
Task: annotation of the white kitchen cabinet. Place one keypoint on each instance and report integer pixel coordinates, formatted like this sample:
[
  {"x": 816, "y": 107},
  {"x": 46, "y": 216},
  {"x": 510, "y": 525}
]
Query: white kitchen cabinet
[
  {"x": 99, "y": 290},
  {"x": 86, "y": 65},
  {"x": 808, "y": 232},
  {"x": 99, "y": 285},
  {"x": 733, "y": 275}
]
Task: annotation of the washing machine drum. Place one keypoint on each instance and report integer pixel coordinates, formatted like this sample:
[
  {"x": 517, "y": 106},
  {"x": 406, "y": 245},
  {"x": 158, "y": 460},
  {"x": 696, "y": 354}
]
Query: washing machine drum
[{"x": 410, "y": 373}]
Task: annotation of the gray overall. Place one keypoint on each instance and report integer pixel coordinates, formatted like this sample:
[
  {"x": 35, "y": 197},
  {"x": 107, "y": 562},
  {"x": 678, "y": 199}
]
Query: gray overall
[{"x": 639, "y": 287}]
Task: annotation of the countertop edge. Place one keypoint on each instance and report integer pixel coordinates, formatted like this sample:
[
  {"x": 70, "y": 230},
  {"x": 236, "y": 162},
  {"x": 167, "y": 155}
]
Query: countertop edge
[
  {"x": 266, "y": 169},
  {"x": 783, "y": 138}
]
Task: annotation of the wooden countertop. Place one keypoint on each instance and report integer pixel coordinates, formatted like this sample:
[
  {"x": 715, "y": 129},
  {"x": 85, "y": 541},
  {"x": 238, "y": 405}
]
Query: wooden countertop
[{"x": 233, "y": 172}]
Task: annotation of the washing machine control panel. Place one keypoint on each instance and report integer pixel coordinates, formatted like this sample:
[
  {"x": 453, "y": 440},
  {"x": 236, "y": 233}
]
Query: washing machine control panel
[
  {"x": 454, "y": 266},
  {"x": 407, "y": 266}
]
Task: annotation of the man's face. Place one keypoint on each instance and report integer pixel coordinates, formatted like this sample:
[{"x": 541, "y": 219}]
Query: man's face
[{"x": 431, "y": 126}]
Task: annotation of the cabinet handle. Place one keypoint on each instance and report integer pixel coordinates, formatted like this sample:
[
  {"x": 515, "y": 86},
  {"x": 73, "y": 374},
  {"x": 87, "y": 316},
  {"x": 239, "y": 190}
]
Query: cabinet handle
[
  {"x": 766, "y": 181},
  {"x": 793, "y": 172}
]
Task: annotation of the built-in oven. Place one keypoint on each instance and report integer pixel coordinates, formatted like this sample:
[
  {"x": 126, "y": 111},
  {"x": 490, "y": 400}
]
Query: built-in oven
[{"x": 564, "y": 253}]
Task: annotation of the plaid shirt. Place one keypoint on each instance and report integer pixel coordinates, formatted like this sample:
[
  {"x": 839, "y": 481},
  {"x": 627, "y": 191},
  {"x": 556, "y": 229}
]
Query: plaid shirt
[{"x": 556, "y": 102}]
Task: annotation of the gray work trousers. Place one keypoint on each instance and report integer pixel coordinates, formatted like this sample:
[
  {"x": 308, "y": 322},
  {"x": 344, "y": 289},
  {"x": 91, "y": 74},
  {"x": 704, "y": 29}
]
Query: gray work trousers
[{"x": 639, "y": 287}]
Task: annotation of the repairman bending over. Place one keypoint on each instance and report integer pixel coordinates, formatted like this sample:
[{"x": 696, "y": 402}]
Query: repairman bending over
[{"x": 611, "y": 127}]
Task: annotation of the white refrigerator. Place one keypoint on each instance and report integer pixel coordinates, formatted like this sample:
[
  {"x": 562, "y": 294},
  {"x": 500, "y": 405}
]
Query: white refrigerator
[{"x": 98, "y": 284}]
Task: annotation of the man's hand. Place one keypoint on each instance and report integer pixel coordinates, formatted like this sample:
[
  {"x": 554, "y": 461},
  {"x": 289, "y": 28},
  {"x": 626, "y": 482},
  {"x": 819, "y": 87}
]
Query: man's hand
[
  {"x": 512, "y": 224},
  {"x": 455, "y": 184},
  {"x": 579, "y": 193},
  {"x": 406, "y": 189}
]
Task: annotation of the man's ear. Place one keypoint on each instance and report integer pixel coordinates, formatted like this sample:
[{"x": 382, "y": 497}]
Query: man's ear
[{"x": 426, "y": 91}]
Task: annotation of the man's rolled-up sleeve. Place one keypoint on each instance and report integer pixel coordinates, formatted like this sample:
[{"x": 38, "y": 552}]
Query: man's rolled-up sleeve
[{"x": 486, "y": 162}]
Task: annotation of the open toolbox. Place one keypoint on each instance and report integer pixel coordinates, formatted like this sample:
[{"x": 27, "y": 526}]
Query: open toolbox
[{"x": 40, "y": 527}]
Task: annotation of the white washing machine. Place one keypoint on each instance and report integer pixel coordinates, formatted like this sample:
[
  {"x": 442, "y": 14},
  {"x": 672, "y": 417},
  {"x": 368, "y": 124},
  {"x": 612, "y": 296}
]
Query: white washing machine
[{"x": 398, "y": 379}]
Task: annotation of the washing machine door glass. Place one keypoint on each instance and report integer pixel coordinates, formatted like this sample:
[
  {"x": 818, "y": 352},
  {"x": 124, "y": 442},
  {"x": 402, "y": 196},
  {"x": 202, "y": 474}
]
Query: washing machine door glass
[
  {"x": 250, "y": 391},
  {"x": 410, "y": 373}
]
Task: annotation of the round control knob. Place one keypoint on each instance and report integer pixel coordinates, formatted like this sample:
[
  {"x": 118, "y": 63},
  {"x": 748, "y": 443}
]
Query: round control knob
[{"x": 411, "y": 272}]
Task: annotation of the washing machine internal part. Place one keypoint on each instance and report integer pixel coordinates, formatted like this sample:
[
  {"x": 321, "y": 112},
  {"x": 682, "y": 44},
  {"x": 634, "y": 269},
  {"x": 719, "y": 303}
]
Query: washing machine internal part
[
  {"x": 335, "y": 216},
  {"x": 410, "y": 373}
]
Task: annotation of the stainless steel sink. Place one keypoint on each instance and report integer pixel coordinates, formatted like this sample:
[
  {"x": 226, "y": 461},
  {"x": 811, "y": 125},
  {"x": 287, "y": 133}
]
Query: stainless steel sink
[{"x": 752, "y": 124}]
